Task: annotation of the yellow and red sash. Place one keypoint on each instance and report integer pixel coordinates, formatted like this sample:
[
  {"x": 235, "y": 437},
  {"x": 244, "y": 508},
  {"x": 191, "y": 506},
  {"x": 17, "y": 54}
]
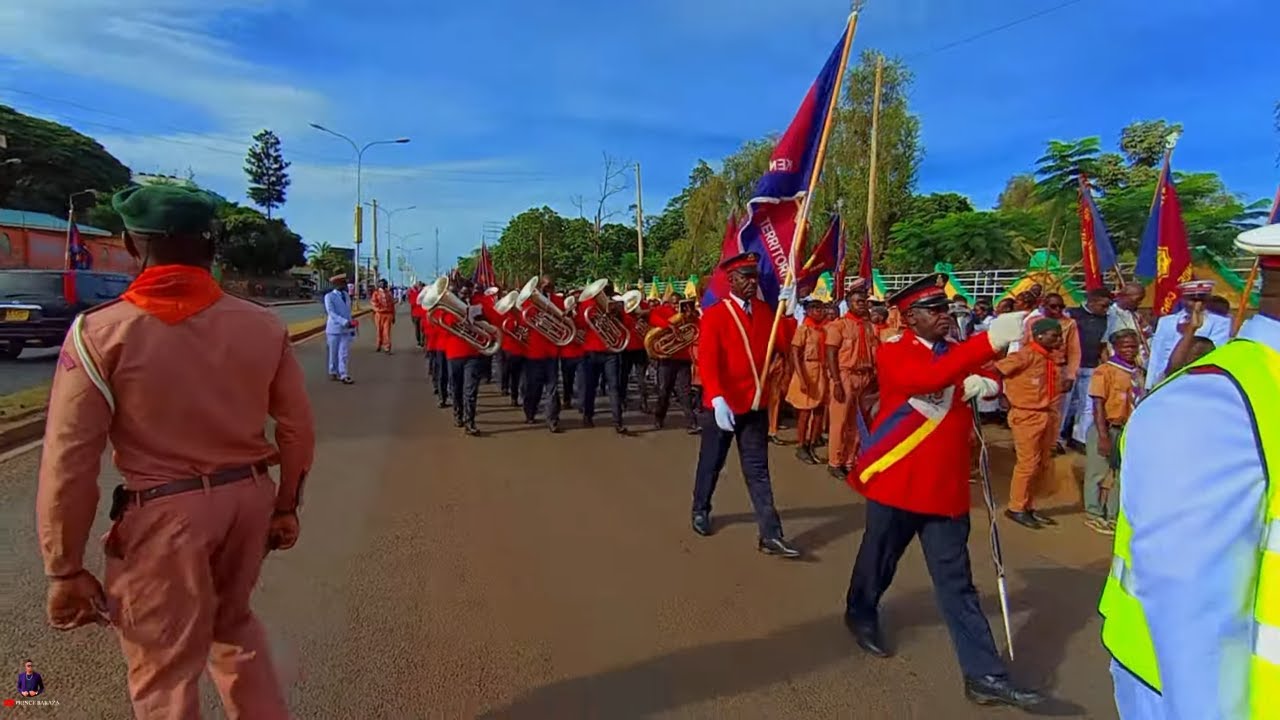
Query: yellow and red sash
[{"x": 902, "y": 431}]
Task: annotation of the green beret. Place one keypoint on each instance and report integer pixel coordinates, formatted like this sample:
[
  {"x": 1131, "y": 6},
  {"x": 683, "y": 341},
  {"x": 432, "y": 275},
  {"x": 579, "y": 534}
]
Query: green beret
[
  {"x": 165, "y": 209},
  {"x": 1044, "y": 325}
]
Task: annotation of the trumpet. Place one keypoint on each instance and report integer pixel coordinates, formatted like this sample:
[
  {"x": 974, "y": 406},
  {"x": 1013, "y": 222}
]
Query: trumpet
[
  {"x": 518, "y": 330},
  {"x": 665, "y": 342},
  {"x": 543, "y": 316},
  {"x": 477, "y": 333},
  {"x": 595, "y": 314}
]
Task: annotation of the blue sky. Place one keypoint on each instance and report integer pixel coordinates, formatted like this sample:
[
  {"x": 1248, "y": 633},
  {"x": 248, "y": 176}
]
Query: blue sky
[{"x": 510, "y": 104}]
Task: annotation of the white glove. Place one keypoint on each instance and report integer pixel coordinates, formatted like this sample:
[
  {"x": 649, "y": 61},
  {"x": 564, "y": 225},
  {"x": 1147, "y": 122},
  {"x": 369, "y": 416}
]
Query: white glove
[
  {"x": 1005, "y": 329},
  {"x": 976, "y": 386},
  {"x": 724, "y": 416}
]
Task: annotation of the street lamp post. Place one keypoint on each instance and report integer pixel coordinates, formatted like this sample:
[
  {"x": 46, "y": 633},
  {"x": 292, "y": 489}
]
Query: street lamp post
[
  {"x": 400, "y": 240},
  {"x": 359, "y": 220},
  {"x": 388, "y": 214}
]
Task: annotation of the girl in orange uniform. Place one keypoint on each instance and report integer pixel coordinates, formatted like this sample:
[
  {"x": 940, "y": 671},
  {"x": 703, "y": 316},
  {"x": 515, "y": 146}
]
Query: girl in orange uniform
[{"x": 808, "y": 392}]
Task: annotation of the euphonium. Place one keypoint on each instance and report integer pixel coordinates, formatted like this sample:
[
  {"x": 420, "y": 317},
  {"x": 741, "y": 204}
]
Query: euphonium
[
  {"x": 595, "y": 314},
  {"x": 477, "y": 333},
  {"x": 665, "y": 342},
  {"x": 518, "y": 330},
  {"x": 543, "y": 316},
  {"x": 631, "y": 301}
]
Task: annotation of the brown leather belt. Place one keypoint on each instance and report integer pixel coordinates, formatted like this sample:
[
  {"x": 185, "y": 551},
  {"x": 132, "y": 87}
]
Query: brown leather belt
[{"x": 122, "y": 499}]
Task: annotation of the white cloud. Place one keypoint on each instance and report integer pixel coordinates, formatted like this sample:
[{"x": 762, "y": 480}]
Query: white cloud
[{"x": 163, "y": 47}]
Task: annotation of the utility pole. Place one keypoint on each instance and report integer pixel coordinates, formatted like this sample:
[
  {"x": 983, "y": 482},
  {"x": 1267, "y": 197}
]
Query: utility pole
[
  {"x": 437, "y": 252},
  {"x": 373, "y": 263},
  {"x": 540, "y": 270},
  {"x": 639, "y": 221}
]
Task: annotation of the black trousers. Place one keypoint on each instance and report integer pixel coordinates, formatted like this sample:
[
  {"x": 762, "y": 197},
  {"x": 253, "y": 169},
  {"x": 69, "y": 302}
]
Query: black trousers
[
  {"x": 606, "y": 366},
  {"x": 440, "y": 374},
  {"x": 464, "y": 384},
  {"x": 945, "y": 541},
  {"x": 569, "y": 369},
  {"x": 674, "y": 376},
  {"x": 634, "y": 362},
  {"x": 542, "y": 382},
  {"x": 417, "y": 330},
  {"x": 513, "y": 369},
  {"x": 751, "y": 430},
  {"x": 486, "y": 368}
]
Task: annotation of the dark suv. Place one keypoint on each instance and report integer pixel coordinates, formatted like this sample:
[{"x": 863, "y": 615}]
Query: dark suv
[{"x": 37, "y": 306}]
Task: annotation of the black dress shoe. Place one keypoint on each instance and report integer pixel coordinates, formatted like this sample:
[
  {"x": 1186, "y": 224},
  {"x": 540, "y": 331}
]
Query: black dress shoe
[
  {"x": 1042, "y": 519},
  {"x": 702, "y": 524},
  {"x": 777, "y": 440},
  {"x": 555, "y": 428},
  {"x": 621, "y": 429},
  {"x": 1024, "y": 518},
  {"x": 473, "y": 431},
  {"x": 441, "y": 404},
  {"x": 838, "y": 472},
  {"x": 694, "y": 430},
  {"x": 588, "y": 422},
  {"x": 458, "y": 423},
  {"x": 658, "y": 425},
  {"x": 806, "y": 456},
  {"x": 997, "y": 690},
  {"x": 868, "y": 636},
  {"x": 530, "y": 421},
  {"x": 779, "y": 547}
]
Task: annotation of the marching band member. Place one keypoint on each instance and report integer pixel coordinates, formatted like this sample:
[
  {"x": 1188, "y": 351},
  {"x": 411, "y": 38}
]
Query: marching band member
[
  {"x": 675, "y": 371},
  {"x": 542, "y": 377},
  {"x": 634, "y": 358},
  {"x": 780, "y": 370},
  {"x": 484, "y": 301},
  {"x": 416, "y": 314},
  {"x": 435, "y": 341},
  {"x": 603, "y": 363},
  {"x": 465, "y": 363},
  {"x": 515, "y": 335},
  {"x": 851, "y": 345},
  {"x": 732, "y": 349},
  {"x": 914, "y": 472},
  {"x": 808, "y": 392},
  {"x": 571, "y": 355}
]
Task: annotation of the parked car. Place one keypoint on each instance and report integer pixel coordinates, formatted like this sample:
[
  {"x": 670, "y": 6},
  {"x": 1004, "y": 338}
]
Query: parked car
[{"x": 37, "y": 306}]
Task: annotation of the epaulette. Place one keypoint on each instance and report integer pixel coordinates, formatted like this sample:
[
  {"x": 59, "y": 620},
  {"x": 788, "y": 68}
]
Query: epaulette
[
  {"x": 895, "y": 338},
  {"x": 100, "y": 306}
]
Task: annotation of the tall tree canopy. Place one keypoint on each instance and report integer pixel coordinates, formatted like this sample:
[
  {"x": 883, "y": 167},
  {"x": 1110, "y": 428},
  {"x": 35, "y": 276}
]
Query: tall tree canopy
[
  {"x": 54, "y": 163},
  {"x": 268, "y": 172}
]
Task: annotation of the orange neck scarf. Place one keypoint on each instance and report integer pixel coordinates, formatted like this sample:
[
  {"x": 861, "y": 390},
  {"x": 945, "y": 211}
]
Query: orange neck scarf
[
  {"x": 1051, "y": 368},
  {"x": 173, "y": 293}
]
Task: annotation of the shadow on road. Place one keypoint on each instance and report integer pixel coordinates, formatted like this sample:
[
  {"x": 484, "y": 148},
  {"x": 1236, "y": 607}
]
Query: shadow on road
[
  {"x": 838, "y": 521},
  {"x": 726, "y": 669}
]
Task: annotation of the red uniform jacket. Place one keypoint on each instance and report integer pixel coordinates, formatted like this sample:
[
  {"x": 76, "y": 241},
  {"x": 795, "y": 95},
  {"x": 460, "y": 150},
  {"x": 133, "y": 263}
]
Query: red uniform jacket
[
  {"x": 634, "y": 340},
  {"x": 434, "y": 339},
  {"x": 593, "y": 343},
  {"x": 510, "y": 323},
  {"x": 415, "y": 310},
  {"x": 576, "y": 349},
  {"x": 455, "y": 348},
  {"x": 933, "y": 478},
  {"x": 730, "y": 368}
]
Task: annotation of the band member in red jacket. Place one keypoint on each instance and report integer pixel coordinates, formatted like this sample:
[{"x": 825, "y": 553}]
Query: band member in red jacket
[
  {"x": 732, "y": 348},
  {"x": 914, "y": 471}
]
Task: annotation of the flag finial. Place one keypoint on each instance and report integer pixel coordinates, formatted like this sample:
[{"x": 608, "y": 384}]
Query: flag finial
[{"x": 1172, "y": 139}]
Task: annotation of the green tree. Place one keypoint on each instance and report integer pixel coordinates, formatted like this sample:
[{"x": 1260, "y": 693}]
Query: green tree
[
  {"x": 55, "y": 162},
  {"x": 967, "y": 240},
  {"x": 1019, "y": 193},
  {"x": 268, "y": 172},
  {"x": 254, "y": 244},
  {"x": 326, "y": 260},
  {"x": 1143, "y": 142},
  {"x": 927, "y": 208}
]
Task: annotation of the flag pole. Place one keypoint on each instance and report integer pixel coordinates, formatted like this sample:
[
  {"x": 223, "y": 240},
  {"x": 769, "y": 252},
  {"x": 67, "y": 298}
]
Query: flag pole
[
  {"x": 851, "y": 28},
  {"x": 1253, "y": 275},
  {"x": 875, "y": 142}
]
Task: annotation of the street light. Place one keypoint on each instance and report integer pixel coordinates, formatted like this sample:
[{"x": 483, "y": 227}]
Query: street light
[
  {"x": 389, "y": 214},
  {"x": 359, "y": 197}
]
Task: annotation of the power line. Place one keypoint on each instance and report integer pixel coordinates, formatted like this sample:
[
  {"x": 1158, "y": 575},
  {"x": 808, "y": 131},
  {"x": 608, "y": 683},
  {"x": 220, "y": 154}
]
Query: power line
[{"x": 991, "y": 30}]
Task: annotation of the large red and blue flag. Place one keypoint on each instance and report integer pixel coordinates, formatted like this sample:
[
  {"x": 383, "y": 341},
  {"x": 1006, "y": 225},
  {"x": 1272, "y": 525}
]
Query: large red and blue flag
[
  {"x": 774, "y": 210},
  {"x": 1097, "y": 253},
  {"x": 78, "y": 257},
  {"x": 718, "y": 285},
  {"x": 1165, "y": 255},
  {"x": 827, "y": 256},
  {"x": 484, "y": 277}
]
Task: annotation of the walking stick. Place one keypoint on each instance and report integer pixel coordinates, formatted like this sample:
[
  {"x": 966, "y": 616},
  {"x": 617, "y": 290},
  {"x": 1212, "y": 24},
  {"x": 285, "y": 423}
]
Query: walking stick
[{"x": 996, "y": 556}]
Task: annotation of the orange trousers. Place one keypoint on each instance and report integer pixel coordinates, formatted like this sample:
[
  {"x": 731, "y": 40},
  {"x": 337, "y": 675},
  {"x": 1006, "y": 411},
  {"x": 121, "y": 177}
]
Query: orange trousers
[
  {"x": 179, "y": 601},
  {"x": 1035, "y": 433},
  {"x": 842, "y": 431},
  {"x": 383, "y": 321},
  {"x": 778, "y": 380}
]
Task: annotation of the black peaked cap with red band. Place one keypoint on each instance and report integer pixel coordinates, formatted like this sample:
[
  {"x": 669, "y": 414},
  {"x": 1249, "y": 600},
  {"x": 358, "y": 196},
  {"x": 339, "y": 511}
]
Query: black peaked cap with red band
[
  {"x": 741, "y": 262},
  {"x": 929, "y": 291}
]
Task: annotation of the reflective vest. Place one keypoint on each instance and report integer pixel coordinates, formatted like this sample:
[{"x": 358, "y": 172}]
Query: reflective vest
[{"x": 1255, "y": 370}]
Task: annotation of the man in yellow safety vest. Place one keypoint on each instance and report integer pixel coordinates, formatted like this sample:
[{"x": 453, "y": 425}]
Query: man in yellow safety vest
[{"x": 1192, "y": 605}]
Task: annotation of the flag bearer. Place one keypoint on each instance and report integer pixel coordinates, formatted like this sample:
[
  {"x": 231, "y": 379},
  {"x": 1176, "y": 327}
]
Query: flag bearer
[{"x": 1191, "y": 609}]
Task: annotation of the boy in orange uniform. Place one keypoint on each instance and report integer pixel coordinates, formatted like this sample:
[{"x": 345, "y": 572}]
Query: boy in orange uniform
[
  {"x": 1113, "y": 390},
  {"x": 808, "y": 392},
  {"x": 851, "y": 344},
  {"x": 1034, "y": 383}
]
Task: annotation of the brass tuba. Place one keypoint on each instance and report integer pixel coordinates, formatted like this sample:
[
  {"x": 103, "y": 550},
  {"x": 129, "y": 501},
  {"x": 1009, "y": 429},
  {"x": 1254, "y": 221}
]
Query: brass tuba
[
  {"x": 595, "y": 314},
  {"x": 542, "y": 315},
  {"x": 479, "y": 334},
  {"x": 631, "y": 301},
  {"x": 518, "y": 330},
  {"x": 665, "y": 342}
]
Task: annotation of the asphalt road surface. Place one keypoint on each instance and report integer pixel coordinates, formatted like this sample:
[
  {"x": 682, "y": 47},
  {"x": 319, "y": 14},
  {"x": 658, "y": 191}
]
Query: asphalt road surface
[
  {"x": 525, "y": 575},
  {"x": 35, "y": 365}
]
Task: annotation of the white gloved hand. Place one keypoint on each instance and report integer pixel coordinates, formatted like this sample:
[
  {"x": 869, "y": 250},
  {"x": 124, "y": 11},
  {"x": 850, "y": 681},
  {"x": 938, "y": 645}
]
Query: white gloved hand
[
  {"x": 724, "y": 416},
  {"x": 1005, "y": 329},
  {"x": 977, "y": 386}
]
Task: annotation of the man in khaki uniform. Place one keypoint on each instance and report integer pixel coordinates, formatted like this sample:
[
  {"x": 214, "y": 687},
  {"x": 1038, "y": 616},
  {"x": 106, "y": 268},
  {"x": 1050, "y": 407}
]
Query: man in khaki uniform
[
  {"x": 851, "y": 355},
  {"x": 181, "y": 379}
]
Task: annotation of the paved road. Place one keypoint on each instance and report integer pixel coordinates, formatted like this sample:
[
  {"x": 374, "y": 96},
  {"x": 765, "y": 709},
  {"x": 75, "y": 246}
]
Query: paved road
[
  {"x": 524, "y": 575},
  {"x": 35, "y": 366}
]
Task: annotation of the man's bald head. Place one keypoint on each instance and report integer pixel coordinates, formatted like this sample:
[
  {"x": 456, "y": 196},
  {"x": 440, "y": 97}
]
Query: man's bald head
[{"x": 1131, "y": 296}]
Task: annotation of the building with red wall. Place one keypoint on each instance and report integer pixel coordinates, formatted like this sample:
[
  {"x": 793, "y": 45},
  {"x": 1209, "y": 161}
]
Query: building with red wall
[{"x": 39, "y": 241}]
